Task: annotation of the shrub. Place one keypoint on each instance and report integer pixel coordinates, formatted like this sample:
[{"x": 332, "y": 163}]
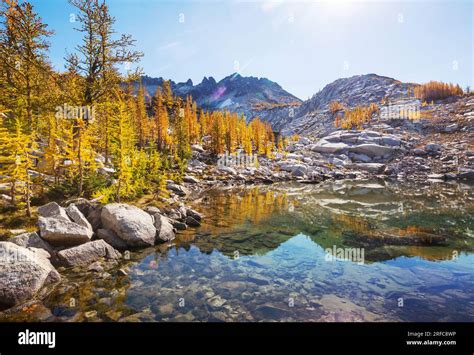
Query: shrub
[
  {"x": 335, "y": 106},
  {"x": 357, "y": 117}
]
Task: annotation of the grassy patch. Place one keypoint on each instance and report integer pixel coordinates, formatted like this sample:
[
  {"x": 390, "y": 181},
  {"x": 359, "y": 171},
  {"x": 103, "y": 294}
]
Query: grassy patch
[{"x": 12, "y": 218}]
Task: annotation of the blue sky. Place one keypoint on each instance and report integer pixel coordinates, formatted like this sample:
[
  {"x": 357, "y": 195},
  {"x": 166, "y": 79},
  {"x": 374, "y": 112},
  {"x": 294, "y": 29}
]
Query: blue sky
[{"x": 302, "y": 45}]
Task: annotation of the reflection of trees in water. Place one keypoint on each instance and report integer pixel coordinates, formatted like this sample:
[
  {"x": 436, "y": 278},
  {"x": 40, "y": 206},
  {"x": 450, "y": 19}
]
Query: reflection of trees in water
[
  {"x": 257, "y": 220},
  {"x": 246, "y": 221},
  {"x": 250, "y": 205}
]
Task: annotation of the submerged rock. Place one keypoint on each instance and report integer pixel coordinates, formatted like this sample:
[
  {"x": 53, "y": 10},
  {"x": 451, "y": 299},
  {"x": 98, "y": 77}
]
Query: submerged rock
[
  {"x": 272, "y": 312},
  {"x": 23, "y": 273}
]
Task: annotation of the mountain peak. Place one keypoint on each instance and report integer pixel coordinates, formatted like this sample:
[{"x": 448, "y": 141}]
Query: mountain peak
[
  {"x": 357, "y": 90},
  {"x": 246, "y": 95},
  {"x": 208, "y": 81}
]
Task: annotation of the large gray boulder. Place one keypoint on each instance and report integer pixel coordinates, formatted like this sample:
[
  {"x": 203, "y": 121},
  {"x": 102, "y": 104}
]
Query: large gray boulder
[
  {"x": 372, "y": 150},
  {"x": 61, "y": 232},
  {"x": 51, "y": 210},
  {"x": 191, "y": 179},
  {"x": 324, "y": 146},
  {"x": 84, "y": 205},
  {"x": 111, "y": 238},
  {"x": 88, "y": 253},
  {"x": 33, "y": 240},
  {"x": 359, "y": 158},
  {"x": 131, "y": 224},
  {"x": 164, "y": 229},
  {"x": 94, "y": 217},
  {"x": 23, "y": 273},
  {"x": 76, "y": 215},
  {"x": 304, "y": 140},
  {"x": 349, "y": 138}
]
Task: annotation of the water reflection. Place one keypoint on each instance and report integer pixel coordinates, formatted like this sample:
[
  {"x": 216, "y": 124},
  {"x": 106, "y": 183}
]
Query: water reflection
[
  {"x": 261, "y": 256},
  {"x": 388, "y": 219}
]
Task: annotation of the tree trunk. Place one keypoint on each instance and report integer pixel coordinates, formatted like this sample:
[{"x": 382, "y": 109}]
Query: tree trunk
[{"x": 79, "y": 159}]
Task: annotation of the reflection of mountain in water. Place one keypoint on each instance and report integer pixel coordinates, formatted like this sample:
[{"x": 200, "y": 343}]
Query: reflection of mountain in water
[{"x": 388, "y": 219}]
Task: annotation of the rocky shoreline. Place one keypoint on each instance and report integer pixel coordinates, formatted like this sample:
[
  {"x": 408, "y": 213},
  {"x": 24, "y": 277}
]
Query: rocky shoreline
[
  {"x": 84, "y": 235},
  {"x": 340, "y": 155}
]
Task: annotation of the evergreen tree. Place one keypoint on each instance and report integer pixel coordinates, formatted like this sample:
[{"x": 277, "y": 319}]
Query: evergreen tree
[
  {"x": 141, "y": 119},
  {"x": 161, "y": 122},
  {"x": 167, "y": 94},
  {"x": 123, "y": 148},
  {"x": 23, "y": 63},
  {"x": 99, "y": 55},
  {"x": 16, "y": 161},
  {"x": 181, "y": 141}
]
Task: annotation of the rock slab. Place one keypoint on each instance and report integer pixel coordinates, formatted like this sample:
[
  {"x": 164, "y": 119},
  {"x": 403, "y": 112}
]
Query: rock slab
[
  {"x": 23, "y": 273},
  {"x": 131, "y": 224}
]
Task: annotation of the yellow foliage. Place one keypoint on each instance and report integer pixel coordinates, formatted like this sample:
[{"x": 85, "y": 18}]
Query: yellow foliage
[
  {"x": 335, "y": 106},
  {"x": 436, "y": 90},
  {"x": 357, "y": 117}
]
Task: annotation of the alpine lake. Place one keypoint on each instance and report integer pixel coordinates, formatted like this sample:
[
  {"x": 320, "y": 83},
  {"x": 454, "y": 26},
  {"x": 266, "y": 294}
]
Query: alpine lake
[{"x": 344, "y": 251}]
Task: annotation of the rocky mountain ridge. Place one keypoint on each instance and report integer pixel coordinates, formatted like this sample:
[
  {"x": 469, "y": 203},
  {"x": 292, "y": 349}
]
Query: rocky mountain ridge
[
  {"x": 249, "y": 96},
  {"x": 261, "y": 97},
  {"x": 313, "y": 117}
]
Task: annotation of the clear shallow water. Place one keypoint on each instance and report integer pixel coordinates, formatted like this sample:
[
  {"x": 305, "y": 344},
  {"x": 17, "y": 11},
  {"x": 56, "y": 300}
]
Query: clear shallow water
[{"x": 261, "y": 256}]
